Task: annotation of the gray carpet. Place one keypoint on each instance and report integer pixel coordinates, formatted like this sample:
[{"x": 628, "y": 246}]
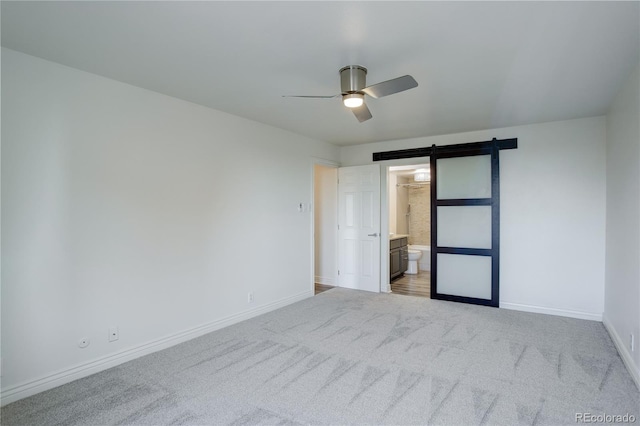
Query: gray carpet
[{"x": 349, "y": 357}]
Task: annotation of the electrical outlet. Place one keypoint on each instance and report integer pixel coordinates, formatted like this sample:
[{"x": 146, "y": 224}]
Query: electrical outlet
[
  {"x": 113, "y": 334},
  {"x": 83, "y": 343},
  {"x": 250, "y": 297}
]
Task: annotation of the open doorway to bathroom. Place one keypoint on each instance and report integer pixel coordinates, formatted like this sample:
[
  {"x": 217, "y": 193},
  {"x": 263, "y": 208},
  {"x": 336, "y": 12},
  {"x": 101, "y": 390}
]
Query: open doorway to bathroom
[{"x": 410, "y": 229}]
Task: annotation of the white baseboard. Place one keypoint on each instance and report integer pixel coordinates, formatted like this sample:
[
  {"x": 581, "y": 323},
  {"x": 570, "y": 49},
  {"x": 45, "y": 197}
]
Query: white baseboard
[
  {"x": 324, "y": 280},
  {"x": 551, "y": 311},
  {"x": 50, "y": 381},
  {"x": 623, "y": 350}
]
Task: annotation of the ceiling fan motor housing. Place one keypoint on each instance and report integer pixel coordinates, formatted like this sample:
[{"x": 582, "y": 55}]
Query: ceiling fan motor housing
[{"x": 353, "y": 79}]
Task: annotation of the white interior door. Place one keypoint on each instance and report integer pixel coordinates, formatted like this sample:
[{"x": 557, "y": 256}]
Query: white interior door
[{"x": 359, "y": 227}]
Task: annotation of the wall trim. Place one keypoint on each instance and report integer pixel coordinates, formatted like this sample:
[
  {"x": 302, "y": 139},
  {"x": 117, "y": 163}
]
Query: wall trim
[
  {"x": 50, "y": 381},
  {"x": 552, "y": 311},
  {"x": 627, "y": 359},
  {"x": 324, "y": 280}
]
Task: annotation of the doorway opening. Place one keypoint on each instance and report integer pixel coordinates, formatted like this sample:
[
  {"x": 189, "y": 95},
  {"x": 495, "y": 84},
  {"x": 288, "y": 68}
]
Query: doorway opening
[
  {"x": 409, "y": 201},
  {"x": 465, "y": 218},
  {"x": 325, "y": 223}
]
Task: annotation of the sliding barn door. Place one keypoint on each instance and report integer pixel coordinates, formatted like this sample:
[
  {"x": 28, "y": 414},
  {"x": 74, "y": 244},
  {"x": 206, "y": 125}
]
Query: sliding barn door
[{"x": 465, "y": 219}]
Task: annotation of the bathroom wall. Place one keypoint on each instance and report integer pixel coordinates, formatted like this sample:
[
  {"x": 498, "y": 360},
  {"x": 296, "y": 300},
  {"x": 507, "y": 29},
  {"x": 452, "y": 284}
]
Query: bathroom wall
[
  {"x": 420, "y": 219},
  {"x": 418, "y": 223},
  {"x": 393, "y": 197},
  {"x": 402, "y": 201}
]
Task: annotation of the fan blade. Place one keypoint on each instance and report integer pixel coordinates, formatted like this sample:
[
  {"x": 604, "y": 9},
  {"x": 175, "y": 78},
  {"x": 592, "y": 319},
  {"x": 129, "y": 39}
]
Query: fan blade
[
  {"x": 311, "y": 96},
  {"x": 362, "y": 113},
  {"x": 390, "y": 87}
]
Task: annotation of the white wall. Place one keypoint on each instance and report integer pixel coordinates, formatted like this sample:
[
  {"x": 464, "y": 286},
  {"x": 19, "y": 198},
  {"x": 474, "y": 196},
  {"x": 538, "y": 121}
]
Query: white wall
[
  {"x": 552, "y": 212},
  {"x": 121, "y": 206},
  {"x": 326, "y": 224},
  {"x": 622, "y": 288}
]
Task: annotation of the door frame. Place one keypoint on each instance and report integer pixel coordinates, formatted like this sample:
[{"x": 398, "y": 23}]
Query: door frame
[
  {"x": 385, "y": 267},
  {"x": 404, "y": 157}
]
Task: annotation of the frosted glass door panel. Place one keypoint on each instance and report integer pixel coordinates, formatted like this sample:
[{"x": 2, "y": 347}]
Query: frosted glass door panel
[
  {"x": 464, "y": 226},
  {"x": 464, "y": 177},
  {"x": 466, "y": 276}
]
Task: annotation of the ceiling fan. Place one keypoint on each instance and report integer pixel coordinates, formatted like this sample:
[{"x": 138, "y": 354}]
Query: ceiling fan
[{"x": 353, "y": 86}]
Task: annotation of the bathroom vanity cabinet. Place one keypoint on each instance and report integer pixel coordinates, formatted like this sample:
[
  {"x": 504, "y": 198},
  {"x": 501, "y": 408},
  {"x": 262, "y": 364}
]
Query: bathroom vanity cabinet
[{"x": 398, "y": 256}]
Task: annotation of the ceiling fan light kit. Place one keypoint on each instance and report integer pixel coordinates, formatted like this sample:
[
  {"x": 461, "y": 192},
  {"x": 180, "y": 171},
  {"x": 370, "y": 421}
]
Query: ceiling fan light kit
[
  {"x": 353, "y": 85},
  {"x": 353, "y": 100}
]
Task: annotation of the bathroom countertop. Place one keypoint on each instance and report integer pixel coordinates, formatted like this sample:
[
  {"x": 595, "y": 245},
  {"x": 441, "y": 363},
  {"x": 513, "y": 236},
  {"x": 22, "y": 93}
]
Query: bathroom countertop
[{"x": 396, "y": 236}]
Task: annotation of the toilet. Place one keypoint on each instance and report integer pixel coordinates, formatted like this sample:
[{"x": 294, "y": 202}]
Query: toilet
[{"x": 414, "y": 257}]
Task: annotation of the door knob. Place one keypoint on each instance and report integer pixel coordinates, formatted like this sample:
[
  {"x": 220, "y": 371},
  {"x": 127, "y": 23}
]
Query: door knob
[{"x": 373, "y": 235}]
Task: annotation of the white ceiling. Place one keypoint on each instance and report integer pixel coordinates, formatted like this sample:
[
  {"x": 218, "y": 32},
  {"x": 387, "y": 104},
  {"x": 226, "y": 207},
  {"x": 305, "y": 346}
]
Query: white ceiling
[{"x": 479, "y": 65}]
